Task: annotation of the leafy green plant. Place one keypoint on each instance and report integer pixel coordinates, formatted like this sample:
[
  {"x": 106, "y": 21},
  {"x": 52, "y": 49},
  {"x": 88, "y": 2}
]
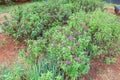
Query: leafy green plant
[
  {"x": 46, "y": 76},
  {"x": 69, "y": 44},
  {"x": 110, "y": 60},
  {"x": 87, "y": 5},
  {"x": 65, "y": 38},
  {"x": 31, "y": 22},
  {"x": 46, "y": 69},
  {"x": 34, "y": 51},
  {"x": 14, "y": 73},
  {"x": 104, "y": 30}
]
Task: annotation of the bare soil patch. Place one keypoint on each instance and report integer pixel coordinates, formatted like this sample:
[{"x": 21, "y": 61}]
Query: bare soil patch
[
  {"x": 8, "y": 49},
  {"x": 101, "y": 71}
]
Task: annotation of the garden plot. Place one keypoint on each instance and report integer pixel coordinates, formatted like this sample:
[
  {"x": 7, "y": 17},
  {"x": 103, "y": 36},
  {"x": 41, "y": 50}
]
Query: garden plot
[{"x": 84, "y": 46}]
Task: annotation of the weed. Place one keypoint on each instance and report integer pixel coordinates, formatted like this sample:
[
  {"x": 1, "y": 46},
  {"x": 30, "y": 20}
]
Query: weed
[{"x": 110, "y": 60}]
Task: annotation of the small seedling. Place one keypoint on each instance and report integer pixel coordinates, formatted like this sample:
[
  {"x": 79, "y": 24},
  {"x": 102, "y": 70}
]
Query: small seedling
[{"x": 110, "y": 60}]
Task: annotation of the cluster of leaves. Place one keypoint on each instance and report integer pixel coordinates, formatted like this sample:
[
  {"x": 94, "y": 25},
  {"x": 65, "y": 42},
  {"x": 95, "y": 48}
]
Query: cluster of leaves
[
  {"x": 46, "y": 69},
  {"x": 31, "y": 22},
  {"x": 36, "y": 48},
  {"x": 87, "y": 5},
  {"x": 62, "y": 53},
  {"x": 105, "y": 31},
  {"x": 69, "y": 44},
  {"x": 15, "y": 73}
]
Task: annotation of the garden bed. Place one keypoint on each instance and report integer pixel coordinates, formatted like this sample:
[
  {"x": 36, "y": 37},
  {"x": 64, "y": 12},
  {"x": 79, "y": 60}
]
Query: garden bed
[{"x": 65, "y": 40}]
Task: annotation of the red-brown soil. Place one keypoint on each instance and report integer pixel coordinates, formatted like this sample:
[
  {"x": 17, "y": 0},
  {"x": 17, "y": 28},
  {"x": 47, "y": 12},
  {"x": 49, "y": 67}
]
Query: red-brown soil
[
  {"x": 8, "y": 49},
  {"x": 101, "y": 71}
]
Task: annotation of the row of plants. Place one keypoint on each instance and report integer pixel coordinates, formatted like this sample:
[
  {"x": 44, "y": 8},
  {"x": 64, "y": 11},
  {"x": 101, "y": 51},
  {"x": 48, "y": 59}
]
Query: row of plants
[
  {"x": 31, "y": 22},
  {"x": 62, "y": 37}
]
